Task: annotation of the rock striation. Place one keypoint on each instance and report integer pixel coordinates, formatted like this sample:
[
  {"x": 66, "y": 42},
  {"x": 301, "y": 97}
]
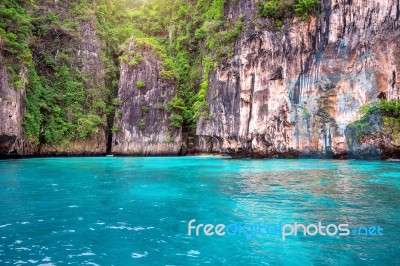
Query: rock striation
[
  {"x": 11, "y": 114},
  {"x": 88, "y": 60},
  {"x": 293, "y": 92},
  {"x": 142, "y": 125}
]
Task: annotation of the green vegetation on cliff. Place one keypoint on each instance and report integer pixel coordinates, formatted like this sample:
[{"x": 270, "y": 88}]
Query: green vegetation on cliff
[
  {"x": 377, "y": 117},
  {"x": 15, "y": 30},
  {"x": 191, "y": 38},
  {"x": 281, "y": 9},
  {"x": 40, "y": 40},
  {"x": 63, "y": 102}
]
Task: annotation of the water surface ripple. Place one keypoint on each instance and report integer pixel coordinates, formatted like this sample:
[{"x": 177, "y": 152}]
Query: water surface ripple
[{"x": 135, "y": 211}]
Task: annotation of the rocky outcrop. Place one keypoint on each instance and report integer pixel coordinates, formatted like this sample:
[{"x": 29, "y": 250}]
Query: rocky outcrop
[
  {"x": 293, "y": 92},
  {"x": 11, "y": 114},
  {"x": 376, "y": 135},
  {"x": 83, "y": 47},
  {"x": 142, "y": 122},
  {"x": 93, "y": 145},
  {"x": 89, "y": 62}
]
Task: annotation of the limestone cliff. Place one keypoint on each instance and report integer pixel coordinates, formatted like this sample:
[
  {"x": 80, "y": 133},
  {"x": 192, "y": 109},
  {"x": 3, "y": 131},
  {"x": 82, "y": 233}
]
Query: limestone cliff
[
  {"x": 142, "y": 122},
  {"x": 52, "y": 47},
  {"x": 294, "y": 91},
  {"x": 11, "y": 114},
  {"x": 87, "y": 54}
]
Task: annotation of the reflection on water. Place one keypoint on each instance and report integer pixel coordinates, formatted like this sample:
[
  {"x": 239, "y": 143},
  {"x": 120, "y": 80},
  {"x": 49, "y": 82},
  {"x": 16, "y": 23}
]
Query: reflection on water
[{"x": 126, "y": 211}]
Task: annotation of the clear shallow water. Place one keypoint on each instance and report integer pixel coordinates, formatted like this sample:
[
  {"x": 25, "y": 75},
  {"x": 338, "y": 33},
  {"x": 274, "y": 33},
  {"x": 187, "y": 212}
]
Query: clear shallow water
[{"x": 135, "y": 211}]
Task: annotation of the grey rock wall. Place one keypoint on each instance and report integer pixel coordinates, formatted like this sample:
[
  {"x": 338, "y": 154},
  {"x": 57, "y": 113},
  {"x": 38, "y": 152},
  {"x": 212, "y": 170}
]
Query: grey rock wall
[
  {"x": 142, "y": 121},
  {"x": 293, "y": 92},
  {"x": 11, "y": 114}
]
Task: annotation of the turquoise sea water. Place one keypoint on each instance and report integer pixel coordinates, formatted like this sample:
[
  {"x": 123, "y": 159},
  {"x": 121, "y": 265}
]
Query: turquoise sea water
[{"x": 135, "y": 211}]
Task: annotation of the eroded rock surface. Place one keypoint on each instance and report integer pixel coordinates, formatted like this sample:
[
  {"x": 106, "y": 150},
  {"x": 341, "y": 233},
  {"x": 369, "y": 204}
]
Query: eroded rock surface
[
  {"x": 293, "y": 92},
  {"x": 142, "y": 124},
  {"x": 11, "y": 114}
]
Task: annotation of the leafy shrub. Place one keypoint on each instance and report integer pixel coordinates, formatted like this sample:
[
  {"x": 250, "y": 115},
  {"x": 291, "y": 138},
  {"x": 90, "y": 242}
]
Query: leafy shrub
[
  {"x": 145, "y": 109},
  {"x": 169, "y": 138},
  {"x": 160, "y": 106},
  {"x": 305, "y": 8},
  {"x": 389, "y": 111},
  {"x": 391, "y": 108},
  {"x": 142, "y": 125},
  {"x": 176, "y": 121},
  {"x": 135, "y": 60},
  {"x": 124, "y": 58},
  {"x": 115, "y": 129},
  {"x": 280, "y": 9},
  {"x": 277, "y": 9},
  {"x": 88, "y": 125},
  {"x": 140, "y": 84},
  {"x": 176, "y": 104},
  {"x": 168, "y": 75}
]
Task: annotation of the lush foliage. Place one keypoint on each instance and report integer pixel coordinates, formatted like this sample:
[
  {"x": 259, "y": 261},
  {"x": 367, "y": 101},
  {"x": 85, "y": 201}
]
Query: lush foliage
[
  {"x": 281, "y": 9},
  {"x": 277, "y": 9},
  {"x": 15, "y": 29},
  {"x": 388, "y": 114},
  {"x": 63, "y": 104},
  {"x": 190, "y": 38},
  {"x": 305, "y": 8},
  {"x": 140, "y": 84}
]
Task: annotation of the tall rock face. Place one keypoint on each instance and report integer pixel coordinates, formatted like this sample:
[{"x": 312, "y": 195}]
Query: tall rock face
[
  {"x": 294, "y": 92},
  {"x": 142, "y": 122},
  {"x": 11, "y": 114},
  {"x": 87, "y": 54},
  {"x": 82, "y": 47}
]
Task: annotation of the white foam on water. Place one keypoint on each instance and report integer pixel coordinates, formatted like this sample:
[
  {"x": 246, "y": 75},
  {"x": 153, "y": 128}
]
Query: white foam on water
[
  {"x": 33, "y": 261},
  {"x": 89, "y": 253},
  {"x": 20, "y": 262},
  {"x": 18, "y": 242},
  {"x": 193, "y": 253},
  {"x": 23, "y": 248},
  {"x": 5, "y": 225},
  {"x": 139, "y": 255},
  {"x": 73, "y": 206},
  {"x": 24, "y": 222},
  {"x": 46, "y": 259},
  {"x": 92, "y": 263},
  {"x": 122, "y": 227}
]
